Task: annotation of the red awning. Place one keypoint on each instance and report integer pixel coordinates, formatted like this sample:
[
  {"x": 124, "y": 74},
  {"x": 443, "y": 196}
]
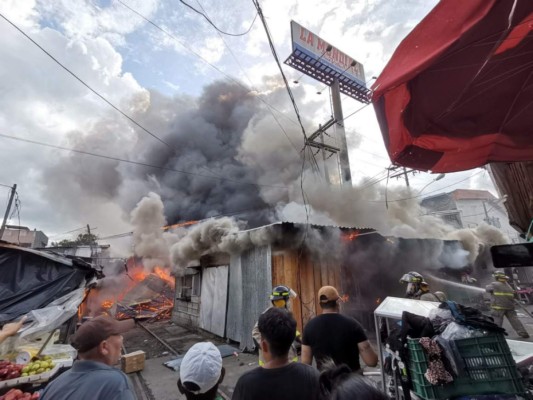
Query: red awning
[{"x": 458, "y": 91}]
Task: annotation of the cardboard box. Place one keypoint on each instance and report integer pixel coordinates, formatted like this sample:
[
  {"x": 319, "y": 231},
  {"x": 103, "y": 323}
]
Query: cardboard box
[{"x": 133, "y": 362}]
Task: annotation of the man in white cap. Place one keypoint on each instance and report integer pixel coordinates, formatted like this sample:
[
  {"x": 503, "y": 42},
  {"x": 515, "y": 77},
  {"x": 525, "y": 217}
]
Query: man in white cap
[
  {"x": 201, "y": 372},
  {"x": 332, "y": 335}
]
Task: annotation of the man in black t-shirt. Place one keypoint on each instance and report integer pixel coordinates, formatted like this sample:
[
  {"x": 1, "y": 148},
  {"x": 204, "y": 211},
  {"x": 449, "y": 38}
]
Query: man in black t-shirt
[
  {"x": 335, "y": 336},
  {"x": 278, "y": 378}
]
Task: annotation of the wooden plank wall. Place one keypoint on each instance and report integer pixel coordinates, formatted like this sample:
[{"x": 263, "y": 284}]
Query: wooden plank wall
[{"x": 306, "y": 278}]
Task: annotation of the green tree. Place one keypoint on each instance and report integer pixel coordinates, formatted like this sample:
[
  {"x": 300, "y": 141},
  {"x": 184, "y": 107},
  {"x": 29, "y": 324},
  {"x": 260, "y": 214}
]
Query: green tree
[{"x": 83, "y": 239}]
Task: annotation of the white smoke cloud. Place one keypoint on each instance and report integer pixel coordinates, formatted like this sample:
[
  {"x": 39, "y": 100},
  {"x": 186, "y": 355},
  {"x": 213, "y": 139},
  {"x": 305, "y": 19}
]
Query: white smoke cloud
[{"x": 149, "y": 240}]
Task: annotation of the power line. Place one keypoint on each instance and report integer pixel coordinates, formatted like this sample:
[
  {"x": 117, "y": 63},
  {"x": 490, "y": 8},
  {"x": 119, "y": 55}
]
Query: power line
[
  {"x": 213, "y": 25},
  {"x": 125, "y": 234},
  {"x": 275, "y": 55},
  {"x": 258, "y": 96},
  {"x": 135, "y": 162},
  {"x": 85, "y": 84},
  {"x": 355, "y": 112},
  {"x": 170, "y": 35},
  {"x": 7, "y": 186},
  {"x": 252, "y": 84},
  {"x": 98, "y": 94},
  {"x": 434, "y": 191}
]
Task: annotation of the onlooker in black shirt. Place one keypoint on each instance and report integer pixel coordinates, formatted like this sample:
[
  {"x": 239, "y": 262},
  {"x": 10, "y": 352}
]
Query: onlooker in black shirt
[
  {"x": 335, "y": 336},
  {"x": 278, "y": 378}
]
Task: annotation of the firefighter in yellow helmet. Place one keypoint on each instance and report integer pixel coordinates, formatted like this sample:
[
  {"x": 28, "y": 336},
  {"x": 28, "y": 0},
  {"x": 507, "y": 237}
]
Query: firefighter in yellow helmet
[
  {"x": 280, "y": 297},
  {"x": 413, "y": 280},
  {"x": 502, "y": 303}
]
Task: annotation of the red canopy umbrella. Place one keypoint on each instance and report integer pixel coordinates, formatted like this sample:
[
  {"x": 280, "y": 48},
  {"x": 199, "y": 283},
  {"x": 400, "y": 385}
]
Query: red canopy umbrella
[{"x": 458, "y": 91}]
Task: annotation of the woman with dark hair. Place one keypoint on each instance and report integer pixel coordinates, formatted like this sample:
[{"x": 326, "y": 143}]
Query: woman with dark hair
[
  {"x": 357, "y": 387},
  {"x": 339, "y": 383}
]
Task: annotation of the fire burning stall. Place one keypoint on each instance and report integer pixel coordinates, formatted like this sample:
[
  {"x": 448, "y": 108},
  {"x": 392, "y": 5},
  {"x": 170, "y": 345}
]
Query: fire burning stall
[
  {"x": 224, "y": 293},
  {"x": 135, "y": 293}
]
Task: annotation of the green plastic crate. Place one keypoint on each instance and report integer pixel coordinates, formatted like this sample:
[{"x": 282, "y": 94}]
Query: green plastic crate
[{"x": 489, "y": 368}]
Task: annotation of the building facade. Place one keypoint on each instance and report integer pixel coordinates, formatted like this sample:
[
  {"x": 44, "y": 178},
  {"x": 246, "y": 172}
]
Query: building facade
[
  {"x": 465, "y": 208},
  {"x": 24, "y": 237}
]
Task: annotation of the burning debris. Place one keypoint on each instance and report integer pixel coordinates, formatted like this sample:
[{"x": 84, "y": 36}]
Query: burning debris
[{"x": 138, "y": 294}]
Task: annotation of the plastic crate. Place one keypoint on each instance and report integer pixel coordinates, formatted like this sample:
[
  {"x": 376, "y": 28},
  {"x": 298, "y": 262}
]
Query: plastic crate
[{"x": 488, "y": 368}]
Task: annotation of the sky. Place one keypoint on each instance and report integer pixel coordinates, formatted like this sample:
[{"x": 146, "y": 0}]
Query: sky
[{"x": 166, "y": 76}]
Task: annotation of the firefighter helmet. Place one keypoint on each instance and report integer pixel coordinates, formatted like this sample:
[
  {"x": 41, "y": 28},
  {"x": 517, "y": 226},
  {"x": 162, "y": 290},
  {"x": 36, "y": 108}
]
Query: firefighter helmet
[
  {"x": 414, "y": 281},
  {"x": 280, "y": 293},
  {"x": 412, "y": 277},
  {"x": 500, "y": 276},
  {"x": 441, "y": 296}
]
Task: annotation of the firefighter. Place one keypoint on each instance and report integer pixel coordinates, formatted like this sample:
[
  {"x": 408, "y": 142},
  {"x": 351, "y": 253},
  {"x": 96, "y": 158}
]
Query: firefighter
[
  {"x": 441, "y": 296},
  {"x": 426, "y": 295},
  {"x": 413, "y": 280},
  {"x": 280, "y": 297},
  {"x": 502, "y": 303}
]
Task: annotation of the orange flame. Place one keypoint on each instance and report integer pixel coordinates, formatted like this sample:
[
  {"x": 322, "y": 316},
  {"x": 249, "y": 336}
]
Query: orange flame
[
  {"x": 378, "y": 300},
  {"x": 107, "y": 304},
  {"x": 187, "y": 223},
  {"x": 164, "y": 274},
  {"x": 349, "y": 237}
]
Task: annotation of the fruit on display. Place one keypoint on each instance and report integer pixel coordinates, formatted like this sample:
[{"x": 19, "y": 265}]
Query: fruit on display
[
  {"x": 9, "y": 370},
  {"x": 17, "y": 394},
  {"x": 40, "y": 366}
]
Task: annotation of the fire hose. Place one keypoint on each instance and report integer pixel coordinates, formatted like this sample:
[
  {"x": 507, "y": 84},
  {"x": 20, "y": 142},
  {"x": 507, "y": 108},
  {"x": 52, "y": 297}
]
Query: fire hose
[{"x": 523, "y": 308}]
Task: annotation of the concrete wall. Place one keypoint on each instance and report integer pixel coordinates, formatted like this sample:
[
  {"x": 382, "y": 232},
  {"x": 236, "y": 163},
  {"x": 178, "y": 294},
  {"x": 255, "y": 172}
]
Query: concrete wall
[
  {"x": 187, "y": 313},
  {"x": 25, "y": 237}
]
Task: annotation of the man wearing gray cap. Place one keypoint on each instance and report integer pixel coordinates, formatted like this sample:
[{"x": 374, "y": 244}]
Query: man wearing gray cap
[
  {"x": 92, "y": 377},
  {"x": 201, "y": 372}
]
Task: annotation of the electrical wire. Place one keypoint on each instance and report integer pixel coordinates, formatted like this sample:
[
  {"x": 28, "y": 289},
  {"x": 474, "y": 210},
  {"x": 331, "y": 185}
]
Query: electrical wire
[
  {"x": 64, "y": 233},
  {"x": 7, "y": 186},
  {"x": 232, "y": 79},
  {"x": 135, "y": 162},
  {"x": 434, "y": 191},
  {"x": 124, "y": 234},
  {"x": 275, "y": 55},
  {"x": 251, "y": 83},
  {"x": 86, "y": 84},
  {"x": 213, "y": 25}
]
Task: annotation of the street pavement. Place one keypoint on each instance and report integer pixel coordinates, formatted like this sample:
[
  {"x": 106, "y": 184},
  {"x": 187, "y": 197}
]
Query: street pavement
[{"x": 157, "y": 381}]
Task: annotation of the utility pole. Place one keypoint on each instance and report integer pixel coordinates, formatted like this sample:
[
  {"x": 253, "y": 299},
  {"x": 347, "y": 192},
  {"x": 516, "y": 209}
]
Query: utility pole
[
  {"x": 406, "y": 176},
  {"x": 311, "y": 141},
  {"x": 346, "y": 174},
  {"x": 90, "y": 242},
  {"x": 487, "y": 218},
  {"x": 13, "y": 191},
  {"x": 405, "y": 173}
]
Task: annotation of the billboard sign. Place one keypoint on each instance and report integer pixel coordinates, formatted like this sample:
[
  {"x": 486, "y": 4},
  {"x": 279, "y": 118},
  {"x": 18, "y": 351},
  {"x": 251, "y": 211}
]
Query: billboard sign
[{"x": 316, "y": 47}]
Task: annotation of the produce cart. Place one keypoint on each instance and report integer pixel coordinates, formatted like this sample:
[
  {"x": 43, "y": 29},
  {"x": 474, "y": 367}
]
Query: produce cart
[
  {"x": 25, "y": 369},
  {"x": 488, "y": 363}
]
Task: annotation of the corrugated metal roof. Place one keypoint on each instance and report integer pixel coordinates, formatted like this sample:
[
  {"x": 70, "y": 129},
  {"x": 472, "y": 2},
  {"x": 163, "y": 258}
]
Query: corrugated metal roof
[
  {"x": 50, "y": 256},
  {"x": 300, "y": 224}
]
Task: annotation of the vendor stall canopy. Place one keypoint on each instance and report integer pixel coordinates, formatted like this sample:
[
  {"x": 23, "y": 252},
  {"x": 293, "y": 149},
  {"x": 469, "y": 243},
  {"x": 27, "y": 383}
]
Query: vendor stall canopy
[
  {"x": 457, "y": 93},
  {"x": 32, "y": 279}
]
